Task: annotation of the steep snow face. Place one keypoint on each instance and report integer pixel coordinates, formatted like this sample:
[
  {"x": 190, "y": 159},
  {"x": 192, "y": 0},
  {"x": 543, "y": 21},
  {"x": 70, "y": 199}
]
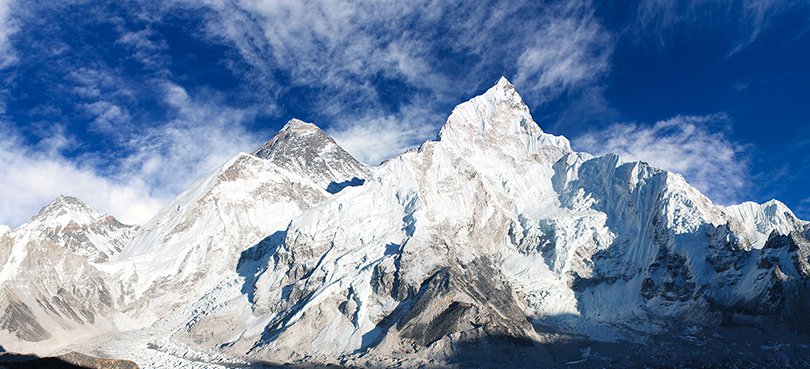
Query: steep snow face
[
  {"x": 196, "y": 241},
  {"x": 303, "y": 148},
  {"x": 50, "y": 291},
  {"x": 756, "y": 221}
]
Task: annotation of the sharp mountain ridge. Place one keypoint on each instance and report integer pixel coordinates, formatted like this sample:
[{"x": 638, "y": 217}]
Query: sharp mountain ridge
[{"x": 494, "y": 237}]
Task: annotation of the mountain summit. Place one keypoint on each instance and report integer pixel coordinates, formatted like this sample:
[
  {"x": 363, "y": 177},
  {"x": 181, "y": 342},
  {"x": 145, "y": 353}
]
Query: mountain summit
[
  {"x": 495, "y": 244},
  {"x": 50, "y": 287},
  {"x": 70, "y": 223},
  {"x": 303, "y": 148},
  {"x": 64, "y": 210}
]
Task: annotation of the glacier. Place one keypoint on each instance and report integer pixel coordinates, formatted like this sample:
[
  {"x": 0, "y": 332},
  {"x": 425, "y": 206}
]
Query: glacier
[{"x": 496, "y": 237}]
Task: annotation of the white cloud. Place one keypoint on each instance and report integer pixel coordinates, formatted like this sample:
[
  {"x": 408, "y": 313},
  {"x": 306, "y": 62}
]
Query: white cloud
[
  {"x": 338, "y": 44},
  {"x": 373, "y": 140},
  {"x": 748, "y": 18},
  {"x": 759, "y": 13},
  {"x": 571, "y": 49},
  {"x": 377, "y": 136},
  {"x": 33, "y": 177},
  {"x": 689, "y": 145},
  {"x": 8, "y": 27},
  {"x": 147, "y": 47},
  {"x": 154, "y": 167},
  {"x": 107, "y": 115},
  {"x": 340, "y": 49},
  {"x": 202, "y": 136}
]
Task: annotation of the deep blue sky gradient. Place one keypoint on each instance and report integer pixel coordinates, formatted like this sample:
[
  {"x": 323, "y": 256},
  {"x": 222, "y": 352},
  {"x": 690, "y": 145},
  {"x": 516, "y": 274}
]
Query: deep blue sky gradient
[{"x": 685, "y": 59}]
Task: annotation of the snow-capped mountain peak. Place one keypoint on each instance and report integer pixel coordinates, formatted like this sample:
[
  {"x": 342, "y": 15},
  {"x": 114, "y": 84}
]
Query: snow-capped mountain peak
[
  {"x": 50, "y": 288},
  {"x": 499, "y": 122},
  {"x": 301, "y": 126},
  {"x": 197, "y": 239},
  {"x": 69, "y": 222},
  {"x": 63, "y": 211},
  {"x": 757, "y": 221},
  {"x": 306, "y": 150},
  {"x": 480, "y": 114},
  {"x": 493, "y": 230}
]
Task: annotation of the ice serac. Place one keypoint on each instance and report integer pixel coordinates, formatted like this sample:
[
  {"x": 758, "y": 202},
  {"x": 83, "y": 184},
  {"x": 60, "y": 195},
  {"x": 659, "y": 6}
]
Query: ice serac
[
  {"x": 51, "y": 291},
  {"x": 303, "y": 148}
]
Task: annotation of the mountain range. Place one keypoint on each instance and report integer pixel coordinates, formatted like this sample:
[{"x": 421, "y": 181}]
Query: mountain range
[{"x": 493, "y": 244}]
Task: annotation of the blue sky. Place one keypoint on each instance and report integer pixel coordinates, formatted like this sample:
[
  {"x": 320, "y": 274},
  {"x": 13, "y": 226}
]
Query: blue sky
[{"x": 125, "y": 104}]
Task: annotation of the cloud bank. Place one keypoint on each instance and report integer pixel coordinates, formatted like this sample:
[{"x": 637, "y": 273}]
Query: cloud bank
[
  {"x": 33, "y": 177},
  {"x": 159, "y": 164}
]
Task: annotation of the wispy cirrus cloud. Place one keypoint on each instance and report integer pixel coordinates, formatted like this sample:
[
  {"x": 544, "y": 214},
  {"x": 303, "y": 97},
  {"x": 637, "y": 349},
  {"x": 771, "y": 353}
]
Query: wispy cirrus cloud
[
  {"x": 377, "y": 136},
  {"x": 146, "y": 46},
  {"x": 695, "y": 146},
  {"x": 8, "y": 26},
  {"x": 34, "y": 176},
  {"x": 361, "y": 55},
  {"x": 380, "y": 76},
  {"x": 201, "y": 136},
  {"x": 742, "y": 20},
  {"x": 569, "y": 50},
  {"x": 152, "y": 168},
  {"x": 803, "y": 209},
  {"x": 107, "y": 115}
]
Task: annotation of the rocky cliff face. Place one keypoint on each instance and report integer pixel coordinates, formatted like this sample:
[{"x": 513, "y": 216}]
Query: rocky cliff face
[{"x": 496, "y": 234}]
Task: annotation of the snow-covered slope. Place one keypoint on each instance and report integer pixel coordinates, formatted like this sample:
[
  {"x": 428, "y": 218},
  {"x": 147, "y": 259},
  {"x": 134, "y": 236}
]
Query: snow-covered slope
[
  {"x": 195, "y": 242},
  {"x": 51, "y": 292},
  {"x": 756, "y": 221},
  {"x": 492, "y": 234},
  {"x": 493, "y": 227}
]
